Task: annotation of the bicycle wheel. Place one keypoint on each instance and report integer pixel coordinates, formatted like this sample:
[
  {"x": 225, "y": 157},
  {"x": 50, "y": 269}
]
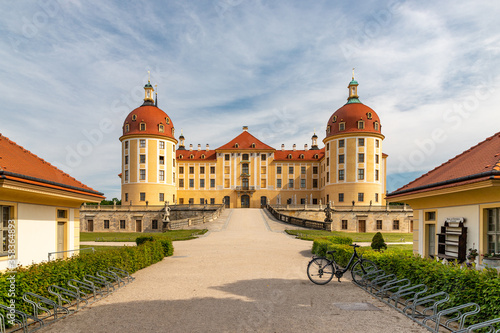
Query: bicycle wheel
[
  {"x": 320, "y": 270},
  {"x": 360, "y": 269}
]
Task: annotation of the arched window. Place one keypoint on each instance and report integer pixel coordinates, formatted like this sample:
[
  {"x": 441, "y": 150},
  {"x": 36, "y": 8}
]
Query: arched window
[
  {"x": 236, "y": 145},
  {"x": 301, "y": 156},
  {"x": 316, "y": 156},
  {"x": 202, "y": 156},
  {"x": 191, "y": 156},
  {"x": 161, "y": 128},
  {"x": 376, "y": 126},
  {"x": 289, "y": 156},
  {"x": 181, "y": 156},
  {"x": 253, "y": 145}
]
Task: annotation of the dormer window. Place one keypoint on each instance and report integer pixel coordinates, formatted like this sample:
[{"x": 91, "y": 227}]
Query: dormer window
[
  {"x": 167, "y": 120},
  {"x": 328, "y": 129},
  {"x": 142, "y": 127},
  {"x": 236, "y": 145},
  {"x": 376, "y": 126},
  {"x": 181, "y": 157},
  {"x": 361, "y": 124},
  {"x": 161, "y": 128},
  {"x": 202, "y": 156},
  {"x": 316, "y": 156},
  {"x": 127, "y": 128},
  {"x": 173, "y": 131},
  {"x": 334, "y": 119},
  {"x": 191, "y": 156},
  {"x": 341, "y": 126},
  {"x": 253, "y": 145},
  {"x": 369, "y": 115},
  {"x": 301, "y": 156},
  {"x": 289, "y": 156},
  {"x": 134, "y": 117}
]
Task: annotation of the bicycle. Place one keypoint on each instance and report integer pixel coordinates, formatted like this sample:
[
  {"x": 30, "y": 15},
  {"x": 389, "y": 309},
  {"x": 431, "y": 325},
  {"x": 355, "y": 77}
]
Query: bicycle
[{"x": 321, "y": 270}]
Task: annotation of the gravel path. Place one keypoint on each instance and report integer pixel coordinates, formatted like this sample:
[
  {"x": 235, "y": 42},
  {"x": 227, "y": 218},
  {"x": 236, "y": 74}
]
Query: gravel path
[{"x": 245, "y": 275}]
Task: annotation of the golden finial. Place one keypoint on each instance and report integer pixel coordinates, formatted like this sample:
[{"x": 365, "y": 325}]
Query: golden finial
[
  {"x": 149, "y": 76},
  {"x": 353, "y": 73}
]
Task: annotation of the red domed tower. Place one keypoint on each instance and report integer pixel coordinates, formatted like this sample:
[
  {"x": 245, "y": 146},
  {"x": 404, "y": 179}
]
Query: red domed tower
[
  {"x": 148, "y": 155},
  {"x": 354, "y": 162}
]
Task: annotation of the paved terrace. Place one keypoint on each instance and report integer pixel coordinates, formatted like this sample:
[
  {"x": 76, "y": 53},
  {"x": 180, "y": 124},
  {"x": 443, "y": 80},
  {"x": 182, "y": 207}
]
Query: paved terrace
[{"x": 245, "y": 275}]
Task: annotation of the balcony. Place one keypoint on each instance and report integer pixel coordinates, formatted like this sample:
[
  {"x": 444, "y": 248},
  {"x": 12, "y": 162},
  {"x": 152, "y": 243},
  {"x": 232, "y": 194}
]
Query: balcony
[
  {"x": 245, "y": 188},
  {"x": 245, "y": 174}
]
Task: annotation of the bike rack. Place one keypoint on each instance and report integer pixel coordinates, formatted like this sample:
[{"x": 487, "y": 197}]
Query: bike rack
[
  {"x": 414, "y": 302},
  {"x": 68, "y": 300}
]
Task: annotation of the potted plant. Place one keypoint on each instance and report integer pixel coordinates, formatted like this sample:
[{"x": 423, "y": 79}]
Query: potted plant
[
  {"x": 472, "y": 255},
  {"x": 491, "y": 259}
]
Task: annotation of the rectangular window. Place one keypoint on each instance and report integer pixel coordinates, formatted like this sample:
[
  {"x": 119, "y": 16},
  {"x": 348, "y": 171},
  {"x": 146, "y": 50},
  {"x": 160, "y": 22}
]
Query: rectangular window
[
  {"x": 142, "y": 158},
  {"x": 493, "y": 233},
  {"x": 142, "y": 196},
  {"x": 202, "y": 201},
  {"x": 302, "y": 183},
  {"x": 226, "y": 170},
  {"x": 361, "y": 197},
  {"x": 327, "y": 146},
  {"x": 162, "y": 144},
  {"x": 154, "y": 224},
  {"x": 361, "y": 158},
  {"x": 376, "y": 197},
  {"x": 126, "y": 159},
  {"x": 161, "y": 197},
  {"x": 361, "y": 124},
  {"x": 181, "y": 170},
  {"x": 5, "y": 217},
  {"x": 263, "y": 170},
  {"x": 315, "y": 183},
  {"x": 341, "y": 197},
  {"x": 126, "y": 196},
  {"x": 303, "y": 170},
  {"x": 202, "y": 170},
  {"x": 302, "y": 201},
  {"x": 341, "y": 143},
  {"x": 162, "y": 160},
  {"x": 212, "y": 183},
  {"x": 191, "y": 183},
  {"x": 142, "y": 143},
  {"x": 379, "y": 224},
  {"x": 227, "y": 157},
  {"x": 328, "y": 161},
  {"x": 142, "y": 174},
  {"x": 344, "y": 224},
  {"x": 106, "y": 224},
  {"x": 263, "y": 157},
  {"x": 212, "y": 170},
  {"x": 290, "y": 183},
  {"x": 191, "y": 201},
  {"x": 227, "y": 183},
  {"x": 173, "y": 177},
  {"x": 376, "y": 175},
  {"x": 212, "y": 201},
  {"x": 181, "y": 201},
  {"x": 181, "y": 182},
  {"x": 376, "y": 143},
  {"x": 191, "y": 170},
  {"x": 315, "y": 170},
  {"x": 162, "y": 175},
  {"x": 122, "y": 224},
  {"x": 430, "y": 216},
  {"x": 361, "y": 142},
  {"x": 341, "y": 174},
  {"x": 395, "y": 225},
  {"x": 278, "y": 170},
  {"x": 278, "y": 183},
  {"x": 126, "y": 144},
  {"x": 328, "y": 177},
  {"x": 202, "y": 183},
  {"x": 361, "y": 174},
  {"x": 290, "y": 170},
  {"x": 341, "y": 126},
  {"x": 376, "y": 158},
  {"x": 262, "y": 183},
  {"x": 341, "y": 159},
  {"x": 126, "y": 175}
]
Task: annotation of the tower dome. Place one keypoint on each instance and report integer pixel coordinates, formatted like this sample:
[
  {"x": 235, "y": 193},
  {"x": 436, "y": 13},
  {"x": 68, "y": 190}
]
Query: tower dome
[{"x": 354, "y": 116}]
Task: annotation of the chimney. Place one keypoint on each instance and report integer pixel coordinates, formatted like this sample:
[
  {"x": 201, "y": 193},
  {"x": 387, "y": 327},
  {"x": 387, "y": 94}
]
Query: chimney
[
  {"x": 190, "y": 147},
  {"x": 208, "y": 147},
  {"x": 199, "y": 147},
  {"x": 245, "y": 128},
  {"x": 294, "y": 147},
  {"x": 305, "y": 147},
  {"x": 282, "y": 146}
]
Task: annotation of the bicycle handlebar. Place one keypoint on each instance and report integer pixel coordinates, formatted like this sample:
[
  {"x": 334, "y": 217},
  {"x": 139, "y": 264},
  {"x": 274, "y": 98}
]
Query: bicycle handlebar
[{"x": 354, "y": 245}]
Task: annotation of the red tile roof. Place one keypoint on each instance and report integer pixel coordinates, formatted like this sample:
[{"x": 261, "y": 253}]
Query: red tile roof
[
  {"x": 245, "y": 141},
  {"x": 473, "y": 165},
  {"x": 350, "y": 114},
  {"x": 197, "y": 155},
  {"x": 19, "y": 164},
  {"x": 152, "y": 116},
  {"x": 308, "y": 155}
]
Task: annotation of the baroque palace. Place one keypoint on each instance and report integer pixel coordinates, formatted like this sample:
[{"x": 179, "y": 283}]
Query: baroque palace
[
  {"x": 348, "y": 172},
  {"x": 245, "y": 172}
]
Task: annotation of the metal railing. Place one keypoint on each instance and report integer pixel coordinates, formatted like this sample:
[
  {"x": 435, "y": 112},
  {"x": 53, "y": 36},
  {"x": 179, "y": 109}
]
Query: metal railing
[
  {"x": 84, "y": 249},
  {"x": 345, "y": 208}
]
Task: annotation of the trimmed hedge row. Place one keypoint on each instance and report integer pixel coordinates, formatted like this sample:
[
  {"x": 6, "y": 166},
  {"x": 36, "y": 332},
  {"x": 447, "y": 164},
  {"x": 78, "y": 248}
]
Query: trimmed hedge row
[
  {"x": 462, "y": 284},
  {"x": 38, "y": 277},
  {"x": 166, "y": 243}
]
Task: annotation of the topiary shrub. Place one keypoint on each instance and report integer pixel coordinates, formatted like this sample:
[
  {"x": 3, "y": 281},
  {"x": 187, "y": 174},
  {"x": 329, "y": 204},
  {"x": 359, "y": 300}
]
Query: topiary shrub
[{"x": 378, "y": 242}]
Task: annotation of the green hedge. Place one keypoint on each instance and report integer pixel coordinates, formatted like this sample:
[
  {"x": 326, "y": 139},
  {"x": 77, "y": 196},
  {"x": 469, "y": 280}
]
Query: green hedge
[
  {"x": 166, "y": 243},
  {"x": 462, "y": 284},
  {"x": 37, "y": 278}
]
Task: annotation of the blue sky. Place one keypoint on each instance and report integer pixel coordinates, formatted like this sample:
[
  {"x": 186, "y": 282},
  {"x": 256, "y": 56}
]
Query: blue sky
[{"x": 72, "y": 70}]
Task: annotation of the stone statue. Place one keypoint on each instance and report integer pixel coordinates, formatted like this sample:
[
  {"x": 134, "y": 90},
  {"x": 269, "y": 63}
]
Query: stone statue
[{"x": 328, "y": 213}]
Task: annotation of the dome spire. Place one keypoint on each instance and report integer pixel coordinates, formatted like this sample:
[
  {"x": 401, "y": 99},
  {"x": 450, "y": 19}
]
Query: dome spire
[
  {"x": 353, "y": 90},
  {"x": 148, "y": 92}
]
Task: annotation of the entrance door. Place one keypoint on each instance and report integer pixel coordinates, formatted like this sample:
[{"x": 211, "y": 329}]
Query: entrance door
[
  {"x": 138, "y": 226},
  {"x": 60, "y": 239},
  {"x": 90, "y": 225},
  {"x": 431, "y": 240},
  {"x": 227, "y": 201},
  {"x": 362, "y": 225},
  {"x": 263, "y": 201},
  {"x": 245, "y": 201}
]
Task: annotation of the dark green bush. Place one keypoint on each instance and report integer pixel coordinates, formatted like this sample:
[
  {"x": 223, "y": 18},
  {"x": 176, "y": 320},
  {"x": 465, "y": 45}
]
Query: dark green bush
[
  {"x": 342, "y": 240},
  {"x": 378, "y": 242},
  {"x": 143, "y": 239},
  {"x": 462, "y": 284},
  {"x": 37, "y": 278},
  {"x": 166, "y": 243}
]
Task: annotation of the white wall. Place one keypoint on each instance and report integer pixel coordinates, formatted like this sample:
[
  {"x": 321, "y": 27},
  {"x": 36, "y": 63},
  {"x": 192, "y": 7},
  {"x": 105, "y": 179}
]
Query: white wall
[{"x": 471, "y": 215}]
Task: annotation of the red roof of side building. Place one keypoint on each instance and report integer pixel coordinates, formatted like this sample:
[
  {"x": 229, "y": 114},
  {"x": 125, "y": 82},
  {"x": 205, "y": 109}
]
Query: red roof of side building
[
  {"x": 301, "y": 155},
  {"x": 19, "y": 164},
  {"x": 478, "y": 163},
  {"x": 200, "y": 155},
  {"x": 245, "y": 141}
]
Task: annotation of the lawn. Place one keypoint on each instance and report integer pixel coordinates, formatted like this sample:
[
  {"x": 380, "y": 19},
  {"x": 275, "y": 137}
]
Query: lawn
[
  {"x": 98, "y": 248},
  {"x": 356, "y": 237},
  {"x": 174, "y": 235}
]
